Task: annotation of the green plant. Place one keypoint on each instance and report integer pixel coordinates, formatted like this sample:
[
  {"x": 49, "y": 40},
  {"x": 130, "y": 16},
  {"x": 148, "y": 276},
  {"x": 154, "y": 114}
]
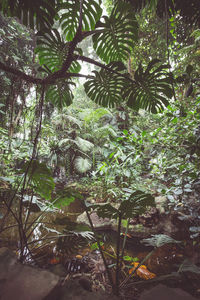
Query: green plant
[
  {"x": 59, "y": 55},
  {"x": 134, "y": 205}
]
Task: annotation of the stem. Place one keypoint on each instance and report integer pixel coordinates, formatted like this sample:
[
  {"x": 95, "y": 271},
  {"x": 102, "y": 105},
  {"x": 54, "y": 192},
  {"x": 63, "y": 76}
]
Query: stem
[
  {"x": 125, "y": 238},
  {"x": 167, "y": 42},
  {"x": 127, "y": 279},
  {"x": 118, "y": 255},
  {"x": 100, "y": 249},
  {"x": 92, "y": 61},
  {"x": 22, "y": 233}
]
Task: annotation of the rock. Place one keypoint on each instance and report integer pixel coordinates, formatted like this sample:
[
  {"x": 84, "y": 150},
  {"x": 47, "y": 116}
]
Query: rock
[
  {"x": 18, "y": 281},
  {"x": 58, "y": 269},
  {"x": 23, "y": 282},
  {"x": 85, "y": 283},
  {"x": 73, "y": 290},
  {"x": 160, "y": 203},
  {"x": 165, "y": 293},
  {"x": 99, "y": 223}
]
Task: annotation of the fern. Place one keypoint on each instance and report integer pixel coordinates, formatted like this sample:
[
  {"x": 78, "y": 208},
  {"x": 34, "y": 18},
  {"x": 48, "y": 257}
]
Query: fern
[{"x": 159, "y": 240}]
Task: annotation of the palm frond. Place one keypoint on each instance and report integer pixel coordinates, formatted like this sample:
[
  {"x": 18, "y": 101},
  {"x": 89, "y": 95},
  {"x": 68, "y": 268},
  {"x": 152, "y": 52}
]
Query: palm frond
[
  {"x": 159, "y": 240},
  {"x": 82, "y": 164}
]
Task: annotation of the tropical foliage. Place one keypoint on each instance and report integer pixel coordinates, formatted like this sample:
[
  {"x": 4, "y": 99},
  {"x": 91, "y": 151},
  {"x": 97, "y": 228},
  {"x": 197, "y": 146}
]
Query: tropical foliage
[{"x": 103, "y": 107}]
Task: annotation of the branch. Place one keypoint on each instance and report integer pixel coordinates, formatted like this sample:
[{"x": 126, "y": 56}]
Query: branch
[
  {"x": 92, "y": 61},
  {"x": 81, "y": 16},
  {"x": 20, "y": 74},
  {"x": 88, "y": 33},
  {"x": 79, "y": 75}
]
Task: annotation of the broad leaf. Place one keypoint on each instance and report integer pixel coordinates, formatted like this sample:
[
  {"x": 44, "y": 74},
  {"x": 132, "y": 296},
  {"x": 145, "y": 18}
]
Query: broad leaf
[
  {"x": 63, "y": 201},
  {"x": 106, "y": 211},
  {"x": 60, "y": 94},
  {"x": 70, "y": 12},
  {"x": 84, "y": 145},
  {"x": 41, "y": 178},
  {"x": 116, "y": 36},
  {"x": 105, "y": 87},
  {"x": 53, "y": 51},
  {"x": 151, "y": 89},
  {"x": 136, "y": 204}
]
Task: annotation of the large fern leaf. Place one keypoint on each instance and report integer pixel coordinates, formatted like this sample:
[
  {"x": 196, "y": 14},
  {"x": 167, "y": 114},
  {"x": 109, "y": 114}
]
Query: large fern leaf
[
  {"x": 52, "y": 51},
  {"x": 117, "y": 35},
  {"x": 69, "y": 11},
  {"x": 37, "y": 13},
  {"x": 105, "y": 87},
  {"x": 151, "y": 88}
]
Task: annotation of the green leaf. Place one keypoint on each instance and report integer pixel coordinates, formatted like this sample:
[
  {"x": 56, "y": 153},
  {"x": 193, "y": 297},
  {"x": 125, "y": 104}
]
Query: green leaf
[
  {"x": 159, "y": 240},
  {"x": 95, "y": 246},
  {"x": 84, "y": 145},
  {"x": 70, "y": 12},
  {"x": 61, "y": 202},
  {"x": 41, "y": 178},
  {"x": 151, "y": 88},
  {"x": 105, "y": 87},
  {"x": 136, "y": 204},
  {"x": 60, "y": 94},
  {"x": 53, "y": 51},
  {"x": 130, "y": 259},
  {"x": 106, "y": 211},
  {"x": 116, "y": 36}
]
